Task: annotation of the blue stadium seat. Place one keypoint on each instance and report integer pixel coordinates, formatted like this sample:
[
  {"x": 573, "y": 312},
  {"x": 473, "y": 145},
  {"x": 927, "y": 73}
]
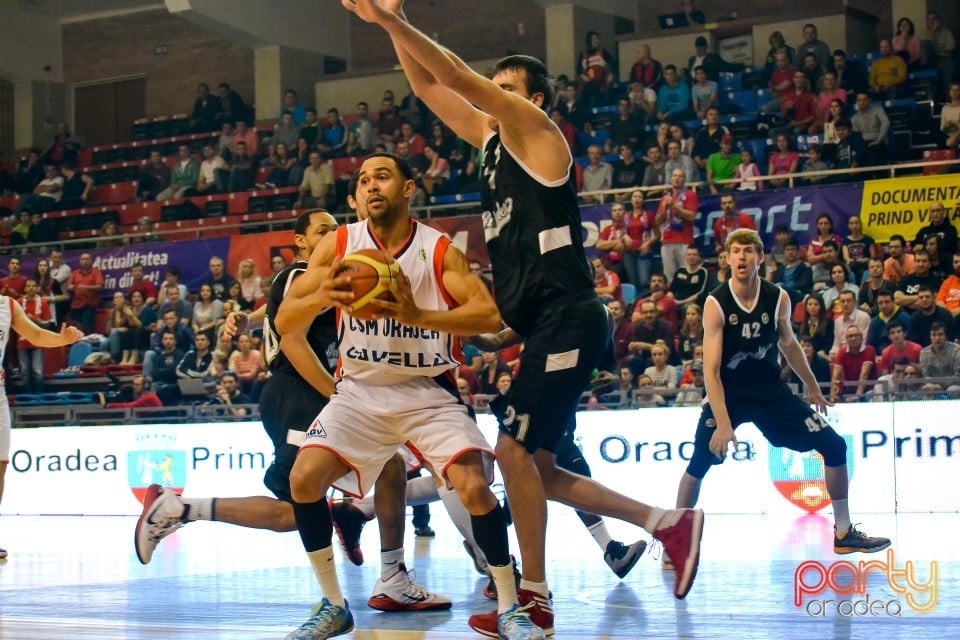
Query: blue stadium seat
[
  {"x": 764, "y": 96},
  {"x": 78, "y": 353},
  {"x": 746, "y": 100},
  {"x": 923, "y": 85},
  {"x": 597, "y": 136},
  {"x": 730, "y": 82},
  {"x": 610, "y": 109},
  {"x": 629, "y": 292},
  {"x": 459, "y": 197},
  {"x": 758, "y": 147}
]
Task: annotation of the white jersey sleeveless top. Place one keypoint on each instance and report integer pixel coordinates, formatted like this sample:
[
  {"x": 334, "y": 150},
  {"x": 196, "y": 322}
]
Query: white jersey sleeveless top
[
  {"x": 6, "y": 319},
  {"x": 385, "y": 352}
]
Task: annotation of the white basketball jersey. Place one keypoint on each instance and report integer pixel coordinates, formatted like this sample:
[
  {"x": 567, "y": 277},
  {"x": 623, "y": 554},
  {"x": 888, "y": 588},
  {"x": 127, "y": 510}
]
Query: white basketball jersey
[
  {"x": 6, "y": 318},
  {"x": 385, "y": 351}
]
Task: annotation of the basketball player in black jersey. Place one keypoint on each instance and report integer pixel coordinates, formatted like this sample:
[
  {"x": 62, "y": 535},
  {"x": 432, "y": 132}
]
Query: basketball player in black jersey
[
  {"x": 301, "y": 379},
  {"x": 746, "y": 322},
  {"x": 543, "y": 289}
]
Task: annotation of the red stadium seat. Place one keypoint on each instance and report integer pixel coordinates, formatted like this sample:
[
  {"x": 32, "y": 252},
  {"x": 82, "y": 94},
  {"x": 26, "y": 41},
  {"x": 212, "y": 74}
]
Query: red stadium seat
[
  {"x": 116, "y": 193},
  {"x": 344, "y": 167},
  {"x": 935, "y": 155}
]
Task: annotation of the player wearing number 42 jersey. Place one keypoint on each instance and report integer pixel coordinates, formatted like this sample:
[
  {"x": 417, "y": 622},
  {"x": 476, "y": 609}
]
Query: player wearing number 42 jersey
[{"x": 746, "y": 325}]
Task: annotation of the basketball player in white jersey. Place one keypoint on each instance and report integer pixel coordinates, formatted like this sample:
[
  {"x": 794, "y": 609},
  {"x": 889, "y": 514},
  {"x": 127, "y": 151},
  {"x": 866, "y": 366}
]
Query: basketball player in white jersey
[
  {"x": 396, "y": 386},
  {"x": 13, "y": 317},
  {"x": 544, "y": 291}
]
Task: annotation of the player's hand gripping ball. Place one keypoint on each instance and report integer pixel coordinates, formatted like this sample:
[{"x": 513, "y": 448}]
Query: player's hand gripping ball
[{"x": 371, "y": 272}]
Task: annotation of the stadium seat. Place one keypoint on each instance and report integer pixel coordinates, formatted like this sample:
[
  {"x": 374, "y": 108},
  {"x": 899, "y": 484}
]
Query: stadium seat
[
  {"x": 78, "y": 353},
  {"x": 933, "y": 155},
  {"x": 730, "y": 82},
  {"x": 117, "y": 193},
  {"x": 344, "y": 167},
  {"x": 629, "y": 292},
  {"x": 746, "y": 100},
  {"x": 923, "y": 84}
]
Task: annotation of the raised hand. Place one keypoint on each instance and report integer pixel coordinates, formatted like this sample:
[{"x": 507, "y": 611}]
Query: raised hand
[
  {"x": 70, "y": 334},
  {"x": 367, "y": 10}
]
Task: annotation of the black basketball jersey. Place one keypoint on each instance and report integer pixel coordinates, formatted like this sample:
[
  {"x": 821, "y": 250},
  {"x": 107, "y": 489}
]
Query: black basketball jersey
[
  {"x": 534, "y": 238},
  {"x": 750, "y": 360},
  {"x": 322, "y": 335}
]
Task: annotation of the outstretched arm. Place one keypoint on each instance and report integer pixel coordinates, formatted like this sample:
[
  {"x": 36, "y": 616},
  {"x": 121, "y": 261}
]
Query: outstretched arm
[{"x": 41, "y": 337}]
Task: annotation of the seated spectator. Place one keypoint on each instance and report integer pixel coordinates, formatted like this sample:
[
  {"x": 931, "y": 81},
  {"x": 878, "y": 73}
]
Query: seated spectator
[
  {"x": 20, "y": 234},
  {"x": 795, "y": 276},
  {"x": 310, "y": 130},
  {"x": 819, "y": 364},
  {"x": 858, "y": 248},
  {"x": 568, "y": 130},
  {"x": 147, "y": 316},
  {"x": 703, "y": 92},
  {"x": 280, "y": 162},
  {"x": 185, "y": 175},
  {"x": 287, "y": 131},
  {"x": 835, "y": 113},
  {"x": 829, "y": 91},
  {"x": 713, "y": 65},
  {"x": 142, "y": 395},
  {"x": 646, "y": 396},
  {"x": 811, "y": 68},
  {"x": 815, "y": 164},
  {"x": 249, "y": 280},
  {"x": 777, "y": 43},
  {"x": 855, "y": 362},
  {"x": 872, "y": 123},
  {"x": 673, "y": 102},
  {"x": 799, "y": 107},
  {"x": 207, "y": 311},
  {"x": 333, "y": 137},
  {"x": 76, "y": 186},
  {"x": 627, "y": 172},
  {"x": 900, "y": 263},
  {"x": 887, "y": 311},
  {"x": 121, "y": 325},
  {"x": 851, "y": 75},
  {"x": 648, "y": 329},
  {"x": 316, "y": 188},
  {"x": 409, "y": 134},
  {"x": 36, "y": 307},
  {"x": 220, "y": 280},
  {"x": 206, "y": 111},
  {"x": 167, "y": 346},
  {"x": 174, "y": 301},
  {"x": 388, "y": 124},
  {"x": 196, "y": 362},
  {"x": 247, "y": 136},
  {"x": 597, "y": 175},
  {"x": 689, "y": 280},
  {"x": 722, "y": 165},
  {"x": 655, "y": 173},
  {"x": 437, "y": 173},
  {"x": 110, "y": 236},
  {"x": 622, "y": 331},
  {"x": 677, "y": 161},
  {"x": 235, "y": 300},
  {"x": 247, "y": 362},
  {"x": 362, "y": 134},
  {"x": 849, "y": 317},
  {"x": 746, "y": 170},
  {"x": 851, "y": 150},
  {"x": 707, "y": 140},
  {"x": 214, "y": 172},
  {"x": 899, "y": 348},
  {"x": 691, "y": 331},
  {"x": 780, "y": 83},
  {"x": 230, "y": 395},
  {"x": 922, "y": 277},
  {"x": 30, "y": 172},
  {"x": 943, "y": 229},
  {"x": 678, "y": 132},
  {"x": 646, "y": 76},
  {"x": 626, "y": 128},
  {"x": 660, "y": 296},
  {"x": 906, "y": 44},
  {"x": 232, "y": 106},
  {"x": 782, "y": 161},
  {"x": 292, "y": 104},
  {"x": 816, "y": 325},
  {"x": 825, "y": 234},
  {"x": 811, "y": 44},
  {"x": 838, "y": 284},
  {"x": 888, "y": 73},
  {"x": 691, "y": 394},
  {"x": 491, "y": 368},
  {"x": 154, "y": 177},
  {"x": 663, "y": 375},
  {"x": 950, "y": 117},
  {"x": 606, "y": 283},
  {"x": 65, "y": 146},
  {"x": 873, "y": 286},
  {"x": 941, "y": 359},
  {"x": 921, "y": 320}
]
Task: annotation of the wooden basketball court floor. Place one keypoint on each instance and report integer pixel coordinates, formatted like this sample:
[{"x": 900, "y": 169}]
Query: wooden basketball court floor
[{"x": 78, "y": 578}]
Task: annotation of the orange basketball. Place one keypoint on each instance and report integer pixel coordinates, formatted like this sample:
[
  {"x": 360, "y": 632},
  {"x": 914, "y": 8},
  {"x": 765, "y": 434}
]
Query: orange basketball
[{"x": 371, "y": 273}]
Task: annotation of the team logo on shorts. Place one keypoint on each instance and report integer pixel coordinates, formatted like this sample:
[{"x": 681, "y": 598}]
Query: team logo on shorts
[
  {"x": 316, "y": 430},
  {"x": 156, "y": 461},
  {"x": 799, "y": 476},
  {"x": 734, "y": 319}
]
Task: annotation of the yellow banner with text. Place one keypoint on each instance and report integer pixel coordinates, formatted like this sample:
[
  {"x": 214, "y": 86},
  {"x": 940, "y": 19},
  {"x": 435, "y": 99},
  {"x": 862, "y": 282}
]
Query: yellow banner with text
[{"x": 901, "y": 205}]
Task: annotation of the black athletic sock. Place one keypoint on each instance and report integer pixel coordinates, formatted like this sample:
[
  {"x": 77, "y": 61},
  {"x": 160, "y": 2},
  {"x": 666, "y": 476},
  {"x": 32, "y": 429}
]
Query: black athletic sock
[
  {"x": 314, "y": 524},
  {"x": 608, "y": 361},
  {"x": 490, "y": 532}
]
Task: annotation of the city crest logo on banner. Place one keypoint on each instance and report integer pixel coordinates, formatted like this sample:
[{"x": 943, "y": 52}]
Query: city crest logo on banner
[
  {"x": 799, "y": 476},
  {"x": 156, "y": 461}
]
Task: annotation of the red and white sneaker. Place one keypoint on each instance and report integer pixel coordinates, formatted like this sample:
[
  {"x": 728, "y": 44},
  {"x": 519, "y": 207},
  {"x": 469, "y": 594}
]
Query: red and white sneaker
[
  {"x": 539, "y": 609},
  {"x": 680, "y": 531},
  {"x": 400, "y": 593},
  {"x": 348, "y": 523}
]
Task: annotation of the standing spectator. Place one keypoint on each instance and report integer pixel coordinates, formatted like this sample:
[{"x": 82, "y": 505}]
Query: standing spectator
[
  {"x": 247, "y": 136},
  {"x": 46, "y": 195},
  {"x": 783, "y": 161},
  {"x": 85, "y": 285},
  {"x": 154, "y": 177},
  {"x": 851, "y": 75},
  {"x": 722, "y": 165},
  {"x": 297, "y": 110},
  {"x": 613, "y": 241},
  {"x": 799, "y": 107},
  {"x": 689, "y": 280},
  {"x": 941, "y": 359},
  {"x": 644, "y": 233},
  {"x": 731, "y": 220},
  {"x": 906, "y": 43},
  {"x": 675, "y": 215},
  {"x": 678, "y": 161},
  {"x": 64, "y": 147},
  {"x": 855, "y": 362},
  {"x": 60, "y": 271},
  {"x": 922, "y": 277},
  {"x": 31, "y": 357},
  {"x": 52, "y": 292},
  {"x": 646, "y": 76},
  {"x": 941, "y": 44},
  {"x": 707, "y": 140},
  {"x": 232, "y": 106},
  {"x": 15, "y": 283},
  {"x": 219, "y": 280},
  {"x": 811, "y": 44},
  {"x": 849, "y": 316},
  {"x": 30, "y": 172},
  {"x": 673, "y": 101},
  {"x": 362, "y": 136},
  {"x": 186, "y": 173},
  {"x": 872, "y": 123},
  {"x": 241, "y": 169},
  {"x": 900, "y": 263},
  {"x": 596, "y": 68},
  {"x": 597, "y": 175},
  {"x": 929, "y": 312},
  {"x": 622, "y": 331},
  {"x": 206, "y": 111}
]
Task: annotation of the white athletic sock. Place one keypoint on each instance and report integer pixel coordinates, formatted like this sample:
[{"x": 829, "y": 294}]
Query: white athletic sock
[
  {"x": 326, "y": 571},
  {"x": 506, "y": 586},
  {"x": 537, "y": 587},
  {"x": 365, "y": 504},
  {"x": 461, "y": 519},
  {"x": 600, "y": 534},
  {"x": 841, "y": 516},
  {"x": 421, "y": 491},
  {"x": 198, "y": 509},
  {"x": 390, "y": 562},
  {"x": 656, "y": 514}
]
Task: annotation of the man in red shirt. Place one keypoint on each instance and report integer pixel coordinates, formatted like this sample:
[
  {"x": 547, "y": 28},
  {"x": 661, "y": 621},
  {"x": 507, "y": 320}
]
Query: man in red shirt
[
  {"x": 781, "y": 81},
  {"x": 855, "y": 362},
  {"x": 13, "y": 285},
  {"x": 613, "y": 241},
  {"x": 675, "y": 215},
  {"x": 141, "y": 284},
  {"x": 666, "y": 305},
  {"x": 85, "y": 286},
  {"x": 899, "y": 348},
  {"x": 731, "y": 220},
  {"x": 143, "y": 396},
  {"x": 799, "y": 108},
  {"x": 606, "y": 283}
]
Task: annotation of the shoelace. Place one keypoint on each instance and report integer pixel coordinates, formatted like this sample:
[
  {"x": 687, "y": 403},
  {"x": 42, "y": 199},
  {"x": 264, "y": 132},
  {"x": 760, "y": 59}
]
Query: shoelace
[
  {"x": 856, "y": 533},
  {"x": 518, "y": 619},
  {"x": 416, "y": 589},
  {"x": 324, "y": 615},
  {"x": 655, "y": 549}
]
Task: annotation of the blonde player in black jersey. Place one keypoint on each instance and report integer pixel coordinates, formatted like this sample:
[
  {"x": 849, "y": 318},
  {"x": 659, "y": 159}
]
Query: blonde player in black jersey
[{"x": 746, "y": 322}]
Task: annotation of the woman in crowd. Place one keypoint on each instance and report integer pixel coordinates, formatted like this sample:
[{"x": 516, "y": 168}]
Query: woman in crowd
[
  {"x": 121, "y": 324},
  {"x": 38, "y": 309},
  {"x": 782, "y": 161},
  {"x": 857, "y": 249},
  {"x": 825, "y": 232},
  {"x": 839, "y": 284},
  {"x": 147, "y": 317},
  {"x": 703, "y": 92},
  {"x": 235, "y": 296},
  {"x": 816, "y": 325},
  {"x": 638, "y": 259},
  {"x": 207, "y": 312},
  {"x": 691, "y": 331},
  {"x": 436, "y": 175},
  {"x": 829, "y": 91},
  {"x": 950, "y": 116},
  {"x": 282, "y": 162},
  {"x": 664, "y": 375},
  {"x": 49, "y": 288},
  {"x": 777, "y": 42},
  {"x": 249, "y": 280},
  {"x": 110, "y": 236},
  {"x": 906, "y": 43},
  {"x": 679, "y": 133},
  {"x": 441, "y": 141},
  {"x": 248, "y": 364}
]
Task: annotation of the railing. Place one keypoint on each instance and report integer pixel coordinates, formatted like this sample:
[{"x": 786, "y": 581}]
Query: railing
[{"x": 86, "y": 414}]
